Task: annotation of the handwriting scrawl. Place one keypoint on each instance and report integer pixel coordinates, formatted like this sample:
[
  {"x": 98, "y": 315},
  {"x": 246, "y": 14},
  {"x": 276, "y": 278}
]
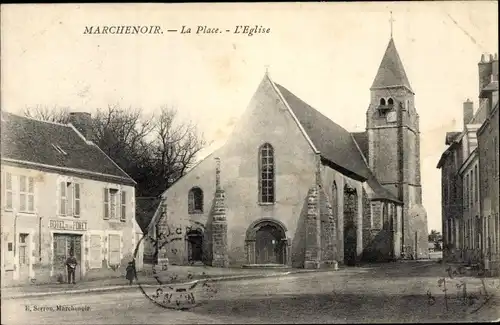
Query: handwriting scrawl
[{"x": 471, "y": 301}]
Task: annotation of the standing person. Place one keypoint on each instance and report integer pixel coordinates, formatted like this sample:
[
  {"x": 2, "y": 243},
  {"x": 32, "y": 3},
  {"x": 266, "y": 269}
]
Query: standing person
[
  {"x": 130, "y": 272},
  {"x": 71, "y": 265}
]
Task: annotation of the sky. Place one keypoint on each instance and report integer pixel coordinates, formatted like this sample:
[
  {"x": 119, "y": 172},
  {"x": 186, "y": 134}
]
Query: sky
[{"x": 325, "y": 53}]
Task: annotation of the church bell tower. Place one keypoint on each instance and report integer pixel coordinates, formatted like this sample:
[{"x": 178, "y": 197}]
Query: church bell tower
[{"x": 392, "y": 125}]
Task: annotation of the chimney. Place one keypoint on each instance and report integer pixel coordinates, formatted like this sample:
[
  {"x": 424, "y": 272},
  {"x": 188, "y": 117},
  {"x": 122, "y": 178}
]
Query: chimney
[
  {"x": 82, "y": 121},
  {"x": 468, "y": 111},
  {"x": 485, "y": 71},
  {"x": 494, "y": 67}
]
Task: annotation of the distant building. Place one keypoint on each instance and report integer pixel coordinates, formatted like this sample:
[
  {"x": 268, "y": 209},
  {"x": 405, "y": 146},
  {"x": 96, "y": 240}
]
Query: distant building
[
  {"x": 451, "y": 190},
  {"x": 61, "y": 194},
  {"x": 468, "y": 198},
  {"x": 291, "y": 187},
  {"x": 489, "y": 175}
]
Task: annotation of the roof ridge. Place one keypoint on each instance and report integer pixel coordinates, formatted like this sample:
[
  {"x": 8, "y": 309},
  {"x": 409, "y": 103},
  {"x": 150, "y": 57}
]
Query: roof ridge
[
  {"x": 316, "y": 110},
  {"x": 294, "y": 116},
  {"x": 112, "y": 161},
  {"x": 36, "y": 119}
]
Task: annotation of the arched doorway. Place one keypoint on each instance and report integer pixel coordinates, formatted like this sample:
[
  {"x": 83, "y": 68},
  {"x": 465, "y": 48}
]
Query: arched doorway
[
  {"x": 266, "y": 243},
  {"x": 194, "y": 240},
  {"x": 350, "y": 228}
]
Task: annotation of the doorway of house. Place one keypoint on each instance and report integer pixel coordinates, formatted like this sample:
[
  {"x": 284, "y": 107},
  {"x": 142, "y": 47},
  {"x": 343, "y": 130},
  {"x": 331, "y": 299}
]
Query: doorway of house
[
  {"x": 64, "y": 244},
  {"x": 195, "y": 246},
  {"x": 24, "y": 257}
]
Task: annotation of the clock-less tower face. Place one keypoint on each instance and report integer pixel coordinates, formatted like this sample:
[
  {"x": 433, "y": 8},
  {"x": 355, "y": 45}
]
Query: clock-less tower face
[{"x": 392, "y": 117}]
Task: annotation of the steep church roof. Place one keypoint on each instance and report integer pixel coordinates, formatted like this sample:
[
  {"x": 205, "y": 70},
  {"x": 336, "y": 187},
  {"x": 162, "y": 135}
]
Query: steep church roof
[
  {"x": 334, "y": 143},
  {"x": 391, "y": 72}
]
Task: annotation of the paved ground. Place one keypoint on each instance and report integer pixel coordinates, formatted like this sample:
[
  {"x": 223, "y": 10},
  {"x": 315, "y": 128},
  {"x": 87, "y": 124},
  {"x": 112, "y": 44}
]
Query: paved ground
[
  {"x": 181, "y": 274},
  {"x": 393, "y": 292}
]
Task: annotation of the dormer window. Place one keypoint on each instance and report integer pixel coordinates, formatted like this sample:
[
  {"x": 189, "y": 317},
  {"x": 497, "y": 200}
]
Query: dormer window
[{"x": 59, "y": 149}]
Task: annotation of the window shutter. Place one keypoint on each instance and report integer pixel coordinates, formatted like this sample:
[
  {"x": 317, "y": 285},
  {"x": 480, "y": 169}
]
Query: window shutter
[
  {"x": 106, "y": 204},
  {"x": 95, "y": 252},
  {"x": 69, "y": 199},
  {"x": 8, "y": 191},
  {"x": 76, "y": 210},
  {"x": 62, "y": 200},
  {"x": 123, "y": 215},
  {"x": 31, "y": 194},
  {"x": 22, "y": 194}
]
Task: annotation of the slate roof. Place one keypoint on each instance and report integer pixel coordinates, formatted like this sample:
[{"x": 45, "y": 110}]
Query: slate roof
[
  {"x": 334, "y": 143},
  {"x": 29, "y": 140},
  {"x": 361, "y": 139},
  {"x": 391, "y": 71},
  {"x": 492, "y": 86}
]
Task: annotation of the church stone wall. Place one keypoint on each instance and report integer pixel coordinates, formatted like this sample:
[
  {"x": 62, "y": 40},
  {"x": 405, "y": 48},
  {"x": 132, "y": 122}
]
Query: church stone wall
[
  {"x": 266, "y": 120},
  {"x": 385, "y": 154},
  {"x": 328, "y": 177}
]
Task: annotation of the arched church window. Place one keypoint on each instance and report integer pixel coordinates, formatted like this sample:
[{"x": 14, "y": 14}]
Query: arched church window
[
  {"x": 390, "y": 102},
  {"x": 266, "y": 174},
  {"x": 382, "y": 101},
  {"x": 195, "y": 200},
  {"x": 385, "y": 216}
]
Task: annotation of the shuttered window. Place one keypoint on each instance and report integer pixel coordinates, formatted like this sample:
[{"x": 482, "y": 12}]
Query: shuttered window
[
  {"x": 123, "y": 214},
  {"x": 76, "y": 212},
  {"x": 9, "y": 191},
  {"x": 95, "y": 252},
  {"x": 106, "y": 204},
  {"x": 114, "y": 249}
]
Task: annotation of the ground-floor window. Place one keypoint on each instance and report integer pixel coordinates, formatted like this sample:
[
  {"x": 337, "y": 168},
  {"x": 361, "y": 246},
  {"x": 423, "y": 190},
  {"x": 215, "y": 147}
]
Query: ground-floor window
[
  {"x": 114, "y": 249},
  {"x": 95, "y": 252}
]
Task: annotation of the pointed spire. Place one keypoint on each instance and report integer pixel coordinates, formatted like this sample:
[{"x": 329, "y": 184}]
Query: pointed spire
[{"x": 391, "y": 72}]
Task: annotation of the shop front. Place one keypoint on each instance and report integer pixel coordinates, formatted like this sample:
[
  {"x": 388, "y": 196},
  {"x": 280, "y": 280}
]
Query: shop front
[{"x": 67, "y": 238}]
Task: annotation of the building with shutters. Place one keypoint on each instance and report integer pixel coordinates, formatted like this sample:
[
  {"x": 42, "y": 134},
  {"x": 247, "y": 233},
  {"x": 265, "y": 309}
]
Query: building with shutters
[
  {"x": 291, "y": 187},
  {"x": 62, "y": 194},
  {"x": 470, "y": 175}
]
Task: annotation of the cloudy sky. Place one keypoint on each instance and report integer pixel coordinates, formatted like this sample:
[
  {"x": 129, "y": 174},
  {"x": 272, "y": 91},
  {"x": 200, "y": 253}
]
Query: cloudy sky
[{"x": 326, "y": 53}]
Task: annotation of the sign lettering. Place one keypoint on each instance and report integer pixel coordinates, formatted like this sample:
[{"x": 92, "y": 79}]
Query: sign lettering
[{"x": 68, "y": 225}]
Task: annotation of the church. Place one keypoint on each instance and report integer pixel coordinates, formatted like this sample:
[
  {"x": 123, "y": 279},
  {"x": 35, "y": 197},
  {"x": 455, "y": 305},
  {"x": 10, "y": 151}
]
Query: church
[{"x": 292, "y": 188}]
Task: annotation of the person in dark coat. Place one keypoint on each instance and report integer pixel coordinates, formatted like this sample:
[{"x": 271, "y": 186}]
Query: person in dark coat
[
  {"x": 71, "y": 266},
  {"x": 130, "y": 272}
]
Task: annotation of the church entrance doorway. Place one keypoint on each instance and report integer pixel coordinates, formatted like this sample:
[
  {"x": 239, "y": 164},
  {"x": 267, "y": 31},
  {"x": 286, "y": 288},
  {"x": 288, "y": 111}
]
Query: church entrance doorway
[
  {"x": 194, "y": 240},
  {"x": 266, "y": 243}
]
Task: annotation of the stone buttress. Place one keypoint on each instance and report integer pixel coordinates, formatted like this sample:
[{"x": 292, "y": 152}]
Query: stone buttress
[
  {"x": 219, "y": 224},
  {"x": 313, "y": 250},
  {"x": 328, "y": 232}
]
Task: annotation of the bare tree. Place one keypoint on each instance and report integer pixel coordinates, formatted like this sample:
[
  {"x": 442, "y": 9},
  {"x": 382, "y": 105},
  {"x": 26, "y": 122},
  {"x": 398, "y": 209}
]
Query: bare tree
[
  {"x": 176, "y": 146},
  {"x": 120, "y": 131},
  {"x": 45, "y": 113},
  {"x": 155, "y": 152}
]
